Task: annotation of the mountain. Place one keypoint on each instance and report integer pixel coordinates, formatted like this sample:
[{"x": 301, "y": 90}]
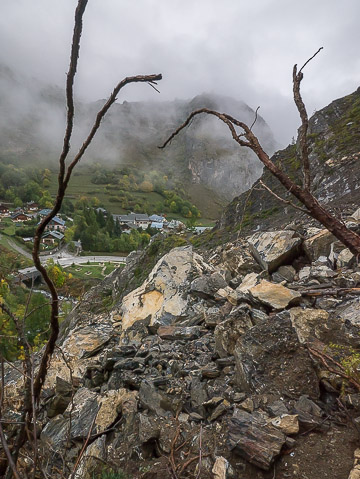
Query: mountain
[{"x": 33, "y": 119}]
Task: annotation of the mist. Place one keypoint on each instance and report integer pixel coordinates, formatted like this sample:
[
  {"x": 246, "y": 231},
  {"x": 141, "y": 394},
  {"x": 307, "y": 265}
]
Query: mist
[{"x": 230, "y": 48}]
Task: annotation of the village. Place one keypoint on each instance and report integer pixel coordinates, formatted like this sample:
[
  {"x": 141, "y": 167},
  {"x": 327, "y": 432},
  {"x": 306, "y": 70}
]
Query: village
[{"x": 55, "y": 233}]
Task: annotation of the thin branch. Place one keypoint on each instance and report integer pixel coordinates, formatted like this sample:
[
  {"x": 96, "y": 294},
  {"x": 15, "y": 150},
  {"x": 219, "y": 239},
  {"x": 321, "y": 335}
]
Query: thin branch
[
  {"x": 255, "y": 119},
  {"x": 227, "y": 119},
  {"x": 152, "y": 86},
  {"x": 303, "y": 143},
  {"x": 84, "y": 446},
  {"x": 309, "y": 60},
  {"x": 5, "y": 446},
  {"x": 287, "y": 202}
]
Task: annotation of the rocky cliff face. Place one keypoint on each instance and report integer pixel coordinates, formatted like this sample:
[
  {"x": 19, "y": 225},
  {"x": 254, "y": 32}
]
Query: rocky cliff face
[
  {"x": 215, "y": 365},
  {"x": 334, "y": 141},
  {"x": 31, "y": 129}
]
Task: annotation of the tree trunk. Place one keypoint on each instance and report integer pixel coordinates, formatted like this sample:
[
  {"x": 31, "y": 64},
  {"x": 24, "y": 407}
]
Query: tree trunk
[{"x": 349, "y": 238}]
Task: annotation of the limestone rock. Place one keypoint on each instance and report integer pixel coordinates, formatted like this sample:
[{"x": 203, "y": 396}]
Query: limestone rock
[
  {"x": 275, "y": 296},
  {"x": 220, "y": 468},
  {"x": 229, "y": 331},
  {"x": 286, "y": 423},
  {"x": 238, "y": 259},
  {"x": 345, "y": 259},
  {"x": 93, "y": 459},
  {"x": 274, "y": 248},
  {"x": 319, "y": 244},
  {"x": 249, "y": 281},
  {"x": 161, "y": 299},
  {"x": 179, "y": 332},
  {"x": 206, "y": 285},
  {"x": 309, "y": 322}
]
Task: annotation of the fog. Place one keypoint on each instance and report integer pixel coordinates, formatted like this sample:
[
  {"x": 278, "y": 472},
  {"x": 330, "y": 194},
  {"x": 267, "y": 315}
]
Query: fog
[{"x": 232, "y": 48}]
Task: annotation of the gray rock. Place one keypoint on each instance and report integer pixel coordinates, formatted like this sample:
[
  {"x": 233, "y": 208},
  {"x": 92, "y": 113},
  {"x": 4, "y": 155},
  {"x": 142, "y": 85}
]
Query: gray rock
[
  {"x": 152, "y": 399},
  {"x": 319, "y": 244},
  {"x": 309, "y": 413},
  {"x": 179, "y": 332},
  {"x": 270, "y": 359},
  {"x": 252, "y": 438},
  {"x": 229, "y": 331},
  {"x": 274, "y": 248},
  {"x": 238, "y": 259},
  {"x": 207, "y": 285}
]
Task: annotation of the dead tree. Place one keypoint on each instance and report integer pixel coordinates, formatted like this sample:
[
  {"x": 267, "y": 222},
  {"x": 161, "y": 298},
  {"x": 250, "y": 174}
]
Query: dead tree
[
  {"x": 33, "y": 383},
  {"x": 245, "y": 137}
]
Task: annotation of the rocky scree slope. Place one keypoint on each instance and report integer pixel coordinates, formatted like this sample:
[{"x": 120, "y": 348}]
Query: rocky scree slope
[
  {"x": 334, "y": 140},
  {"x": 213, "y": 366}
]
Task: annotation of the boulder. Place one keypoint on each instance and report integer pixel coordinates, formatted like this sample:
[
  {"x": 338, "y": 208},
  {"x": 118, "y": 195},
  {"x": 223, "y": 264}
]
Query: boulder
[
  {"x": 319, "y": 244},
  {"x": 229, "y": 331},
  {"x": 275, "y": 296},
  {"x": 220, "y": 468},
  {"x": 237, "y": 258},
  {"x": 274, "y": 248},
  {"x": 88, "y": 410},
  {"x": 309, "y": 323},
  {"x": 284, "y": 273},
  {"x": 179, "y": 332},
  {"x": 206, "y": 285},
  {"x": 269, "y": 358},
  {"x": 93, "y": 460},
  {"x": 345, "y": 259},
  {"x": 162, "y": 298},
  {"x": 252, "y": 438}
]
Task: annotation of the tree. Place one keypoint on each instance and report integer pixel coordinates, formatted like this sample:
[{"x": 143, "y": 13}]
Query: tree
[
  {"x": 33, "y": 384},
  {"x": 246, "y": 138}
]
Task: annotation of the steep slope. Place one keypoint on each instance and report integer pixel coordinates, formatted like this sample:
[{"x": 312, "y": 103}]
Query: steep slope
[{"x": 334, "y": 141}]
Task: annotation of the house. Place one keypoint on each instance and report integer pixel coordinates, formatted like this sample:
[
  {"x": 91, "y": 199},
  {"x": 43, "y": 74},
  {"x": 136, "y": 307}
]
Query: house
[
  {"x": 175, "y": 225},
  {"x": 101, "y": 210},
  {"x": 44, "y": 212},
  {"x": 200, "y": 229},
  {"x": 20, "y": 217},
  {"x": 156, "y": 225},
  {"x": 140, "y": 220},
  {"x": 157, "y": 219},
  {"x": 52, "y": 237},
  {"x": 4, "y": 210},
  {"x": 56, "y": 224},
  {"x": 32, "y": 206}
]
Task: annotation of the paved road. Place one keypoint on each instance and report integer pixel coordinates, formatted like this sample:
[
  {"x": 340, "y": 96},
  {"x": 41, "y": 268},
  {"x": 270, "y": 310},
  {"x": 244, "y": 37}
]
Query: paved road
[
  {"x": 69, "y": 260},
  {"x": 18, "y": 248},
  {"x": 64, "y": 258}
]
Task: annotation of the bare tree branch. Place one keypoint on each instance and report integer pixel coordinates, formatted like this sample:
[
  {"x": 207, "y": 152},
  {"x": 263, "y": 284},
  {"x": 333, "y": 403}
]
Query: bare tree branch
[
  {"x": 304, "y": 151},
  {"x": 287, "y": 202}
]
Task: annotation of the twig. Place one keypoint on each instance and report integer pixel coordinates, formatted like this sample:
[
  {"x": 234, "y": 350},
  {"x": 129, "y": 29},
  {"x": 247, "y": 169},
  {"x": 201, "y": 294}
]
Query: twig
[
  {"x": 288, "y": 202},
  {"x": 84, "y": 446},
  {"x": 256, "y": 115},
  {"x": 5, "y": 446},
  {"x": 187, "y": 463},
  {"x": 341, "y": 372},
  {"x": 200, "y": 453}
]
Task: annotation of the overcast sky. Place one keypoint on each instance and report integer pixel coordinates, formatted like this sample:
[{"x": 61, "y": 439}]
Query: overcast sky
[{"x": 232, "y": 47}]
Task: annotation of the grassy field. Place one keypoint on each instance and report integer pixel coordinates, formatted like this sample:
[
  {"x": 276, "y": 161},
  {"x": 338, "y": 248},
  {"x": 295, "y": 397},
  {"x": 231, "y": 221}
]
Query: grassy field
[
  {"x": 93, "y": 271},
  {"x": 81, "y": 185}
]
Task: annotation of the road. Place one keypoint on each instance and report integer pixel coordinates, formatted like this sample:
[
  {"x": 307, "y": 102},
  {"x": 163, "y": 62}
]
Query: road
[
  {"x": 64, "y": 258},
  {"x": 69, "y": 260}
]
